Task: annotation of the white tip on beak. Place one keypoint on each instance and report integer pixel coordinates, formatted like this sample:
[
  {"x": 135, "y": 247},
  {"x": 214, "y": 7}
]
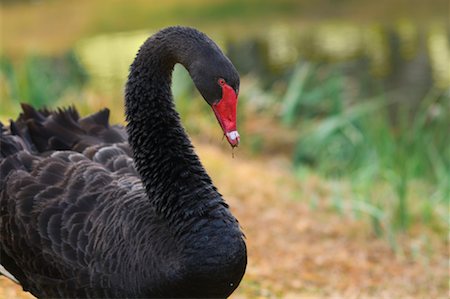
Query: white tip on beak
[{"x": 233, "y": 137}]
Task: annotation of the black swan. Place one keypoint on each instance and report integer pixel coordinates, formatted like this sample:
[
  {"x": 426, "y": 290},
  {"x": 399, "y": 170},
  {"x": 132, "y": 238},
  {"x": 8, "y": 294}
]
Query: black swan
[{"x": 86, "y": 214}]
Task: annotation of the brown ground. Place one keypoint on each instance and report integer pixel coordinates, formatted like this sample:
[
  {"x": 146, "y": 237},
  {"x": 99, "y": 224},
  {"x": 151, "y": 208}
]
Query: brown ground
[{"x": 299, "y": 252}]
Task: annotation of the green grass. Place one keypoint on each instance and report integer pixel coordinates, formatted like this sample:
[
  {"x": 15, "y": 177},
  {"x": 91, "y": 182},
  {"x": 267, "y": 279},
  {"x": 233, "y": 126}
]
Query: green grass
[
  {"x": 38, "y": 80},
  {"x": 399, "y": 173}
]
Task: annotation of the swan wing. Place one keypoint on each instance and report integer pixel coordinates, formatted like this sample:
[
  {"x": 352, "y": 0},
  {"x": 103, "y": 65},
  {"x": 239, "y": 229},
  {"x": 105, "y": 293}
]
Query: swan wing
[{"x": 59, "y": 176}]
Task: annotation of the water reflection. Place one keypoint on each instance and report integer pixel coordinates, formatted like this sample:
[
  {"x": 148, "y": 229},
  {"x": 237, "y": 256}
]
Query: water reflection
[
  {"x": 386, "y": 51},
  {"x": 376, "y": 48},
  {"x": 107, "y": 58},
  {"x": 438, "y": 47},
  {"x": 282, "y": 46},
  {"x": 409, "y": 38},
  {"x": 338, "y": 41}
]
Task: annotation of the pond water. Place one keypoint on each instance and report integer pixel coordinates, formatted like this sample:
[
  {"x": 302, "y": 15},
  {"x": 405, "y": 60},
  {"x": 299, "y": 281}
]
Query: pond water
[{"x": 403, "y": 56}]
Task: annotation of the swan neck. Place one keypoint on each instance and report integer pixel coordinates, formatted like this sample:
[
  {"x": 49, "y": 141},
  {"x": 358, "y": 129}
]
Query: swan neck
[{"x": 163, "y": 154}]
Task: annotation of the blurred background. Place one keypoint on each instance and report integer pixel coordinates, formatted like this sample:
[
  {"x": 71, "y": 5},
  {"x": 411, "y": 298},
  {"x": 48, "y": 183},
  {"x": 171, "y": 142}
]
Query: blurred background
[{"x": 342, "y": 180}]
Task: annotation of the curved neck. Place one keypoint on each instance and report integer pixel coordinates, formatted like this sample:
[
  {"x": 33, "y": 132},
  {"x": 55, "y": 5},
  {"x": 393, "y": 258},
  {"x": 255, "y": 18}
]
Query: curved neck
[{"x": 163, "y": 154}]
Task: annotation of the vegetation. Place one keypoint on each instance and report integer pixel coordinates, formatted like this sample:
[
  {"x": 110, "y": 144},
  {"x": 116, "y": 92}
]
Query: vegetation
[
  {"x": 399, "y": 172},
  {"x": 40, "y": 81}
]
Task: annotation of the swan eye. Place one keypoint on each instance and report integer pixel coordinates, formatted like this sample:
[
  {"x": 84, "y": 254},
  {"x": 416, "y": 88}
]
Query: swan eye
[{"x": 221, "y": 82}]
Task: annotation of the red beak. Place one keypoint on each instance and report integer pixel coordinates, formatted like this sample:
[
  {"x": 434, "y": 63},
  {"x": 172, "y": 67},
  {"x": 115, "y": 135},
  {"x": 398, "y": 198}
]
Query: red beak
[{"x": 225, "y": 111}]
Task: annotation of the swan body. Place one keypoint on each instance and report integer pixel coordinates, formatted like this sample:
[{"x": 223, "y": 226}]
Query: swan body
[{"x": 90, "y": 210}]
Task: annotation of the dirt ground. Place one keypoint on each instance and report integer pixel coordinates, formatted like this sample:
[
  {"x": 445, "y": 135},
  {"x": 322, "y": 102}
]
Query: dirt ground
[{"x": 296, "y": 251}]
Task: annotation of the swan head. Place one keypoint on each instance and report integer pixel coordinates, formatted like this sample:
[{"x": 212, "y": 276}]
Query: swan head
[{"x": 218, "y": 82}]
